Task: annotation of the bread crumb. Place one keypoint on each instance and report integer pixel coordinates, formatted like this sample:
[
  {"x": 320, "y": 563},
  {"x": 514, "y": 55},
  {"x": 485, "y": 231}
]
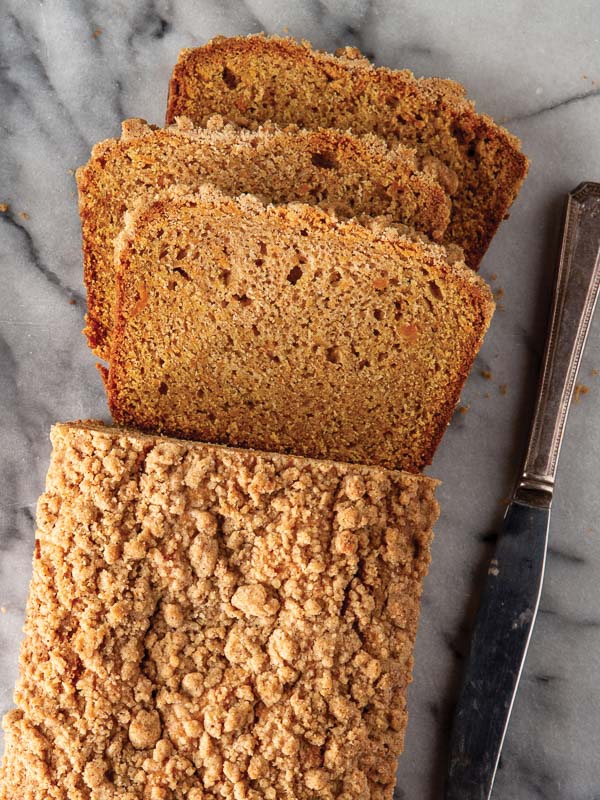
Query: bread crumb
[
  {"x": 2, "y": 609},
  {"x": 72, "y": 301},
  {"x": 580, "y": 390},
  {"x": 98, "y": 32},
  {"x": 4, "y": 207},
  {"x": 493, "y": 277},
  {"x": 487, "y": 395},
  {"x": 498, "y": 293},
  {"x": 463, "y": 409},
  {"x": 594, "y": 372},
  {"x": 503, "y": 388},
  {"x": 487, "y": 374},
  {"x": 380, "y": 283},
  {"x": 24, "y": 215}
]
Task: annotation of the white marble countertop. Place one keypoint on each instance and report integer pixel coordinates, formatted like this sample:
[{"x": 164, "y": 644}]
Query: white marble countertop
[{"x": 71, "y": 70}]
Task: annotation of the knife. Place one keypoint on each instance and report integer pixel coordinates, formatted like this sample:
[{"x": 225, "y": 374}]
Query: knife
[{"x": 513, "y": 585}]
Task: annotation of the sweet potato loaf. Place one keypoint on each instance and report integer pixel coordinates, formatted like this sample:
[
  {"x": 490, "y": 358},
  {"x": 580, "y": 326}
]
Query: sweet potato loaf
[
  {"x": 355, "y": 175},
  {"x": 282, "y": 329},
  {"x": 208, "y": 623},
  {"x": 256, "y": 78}
]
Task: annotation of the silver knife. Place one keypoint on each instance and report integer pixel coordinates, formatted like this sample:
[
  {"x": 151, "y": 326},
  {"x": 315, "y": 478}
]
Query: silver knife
[{"x": 512, "y": 589}]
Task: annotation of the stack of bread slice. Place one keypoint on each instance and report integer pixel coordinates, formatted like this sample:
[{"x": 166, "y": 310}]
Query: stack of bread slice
[
  {"x": 253, "y": 79},
  {"x": 350, "y": 175},
  {"x": 285, "y": 273},
  {"x": 344, "y": 331}
]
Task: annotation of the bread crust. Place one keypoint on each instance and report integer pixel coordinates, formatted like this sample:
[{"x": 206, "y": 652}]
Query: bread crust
[{"x": 249, "y": 79}]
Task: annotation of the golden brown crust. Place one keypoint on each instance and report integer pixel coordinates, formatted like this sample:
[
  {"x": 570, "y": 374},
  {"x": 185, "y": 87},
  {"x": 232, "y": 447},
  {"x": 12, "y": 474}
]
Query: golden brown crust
[
  {"x": 250, "y": 79},
  {"x": 206, "y": 623},
  {"x": 362, "y": 361},
  {"x": 353, "y": 175}
]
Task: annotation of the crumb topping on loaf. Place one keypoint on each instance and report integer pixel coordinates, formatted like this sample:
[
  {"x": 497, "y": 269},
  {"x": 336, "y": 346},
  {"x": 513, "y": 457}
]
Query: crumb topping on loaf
[{"x": 207, "y": 623}]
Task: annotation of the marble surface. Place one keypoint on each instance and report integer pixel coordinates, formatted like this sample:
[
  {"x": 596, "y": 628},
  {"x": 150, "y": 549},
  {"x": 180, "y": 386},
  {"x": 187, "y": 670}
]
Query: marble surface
[{"x": 70, "y": 71}]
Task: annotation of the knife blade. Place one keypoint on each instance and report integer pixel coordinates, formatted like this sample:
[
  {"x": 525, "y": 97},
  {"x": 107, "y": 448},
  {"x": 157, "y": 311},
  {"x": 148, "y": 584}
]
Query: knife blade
[
  {"x": 505, "y": 620},
  {"x": 513, "y": 585}
]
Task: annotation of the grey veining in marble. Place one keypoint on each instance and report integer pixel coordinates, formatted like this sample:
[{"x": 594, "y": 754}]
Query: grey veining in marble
[{"x": 70, "y": 71}]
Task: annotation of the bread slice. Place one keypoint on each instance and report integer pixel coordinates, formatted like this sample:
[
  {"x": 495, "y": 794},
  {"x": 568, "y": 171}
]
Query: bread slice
[
  {"x": 282, "y": 329},
  {"x": 354, "y": 175},
  {"x": 254, "y": 78},
  {"x": 206, "y": 623}
]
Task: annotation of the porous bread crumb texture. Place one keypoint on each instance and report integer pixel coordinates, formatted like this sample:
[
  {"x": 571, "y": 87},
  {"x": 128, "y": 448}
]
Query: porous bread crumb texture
[
  {"x": 255, "y": 78},
  {"x": 281, "y": 329},
  {"x": 352, "y": 175},
  {"x": 208, "y": 623}
]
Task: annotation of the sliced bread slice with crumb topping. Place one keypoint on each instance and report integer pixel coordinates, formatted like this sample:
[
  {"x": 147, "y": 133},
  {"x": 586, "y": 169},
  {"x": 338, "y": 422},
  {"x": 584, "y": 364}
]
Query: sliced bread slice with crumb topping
[{"x": 280, "y": 328}]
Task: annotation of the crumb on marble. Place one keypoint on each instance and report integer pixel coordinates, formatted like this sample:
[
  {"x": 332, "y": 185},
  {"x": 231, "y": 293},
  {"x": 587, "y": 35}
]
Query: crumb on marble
[
  {"x": 487, "y": 395},
  {"x": 98, "y": 32},
  {"x": 4, "y": 207},
  {"x": 594, "y": 372},
  {"x": 463, "y": 409},
  {"x": 498, "y": 293},
  {"x": 503, "y": 388},
  {"x": 2, "y": 609},
  {"x": 487, "y": 374},
  {"x": 24, "y": 215},
  {"x": 580, "y": 390},
  {"x": 493, "y": 277}
]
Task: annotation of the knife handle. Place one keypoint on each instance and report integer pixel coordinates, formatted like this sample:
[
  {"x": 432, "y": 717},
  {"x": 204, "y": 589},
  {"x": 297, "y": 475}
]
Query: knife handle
[{"x": 575, "y": 295}]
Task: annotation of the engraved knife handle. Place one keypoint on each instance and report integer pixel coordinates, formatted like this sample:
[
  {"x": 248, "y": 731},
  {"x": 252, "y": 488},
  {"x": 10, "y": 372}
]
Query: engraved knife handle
[{"x": 575, "y": 295}]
